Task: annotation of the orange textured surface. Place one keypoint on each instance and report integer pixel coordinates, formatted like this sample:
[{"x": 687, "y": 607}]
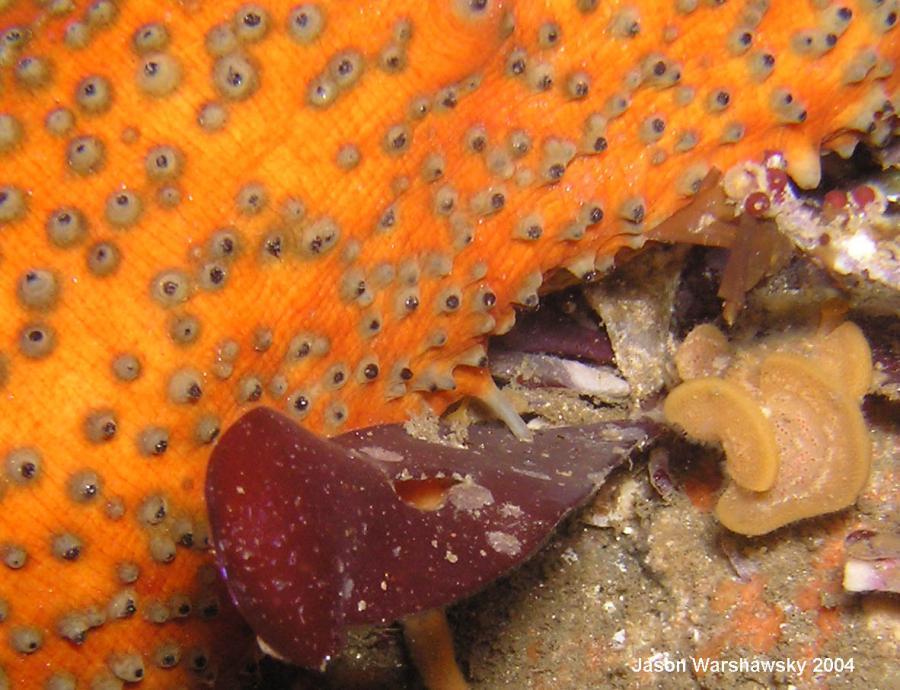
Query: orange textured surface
[
  {"x": 751, "y": 620},
  {"x": 391, "y": 186}
]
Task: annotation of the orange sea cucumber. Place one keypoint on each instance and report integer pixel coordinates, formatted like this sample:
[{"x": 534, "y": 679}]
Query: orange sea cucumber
[{"x": 325, "y": 207}]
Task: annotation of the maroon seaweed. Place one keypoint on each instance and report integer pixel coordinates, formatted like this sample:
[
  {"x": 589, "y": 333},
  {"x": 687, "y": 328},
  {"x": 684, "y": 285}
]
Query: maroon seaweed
[
  {"x": 550, "y": 330},
  {"x": 314, "y": 535}
]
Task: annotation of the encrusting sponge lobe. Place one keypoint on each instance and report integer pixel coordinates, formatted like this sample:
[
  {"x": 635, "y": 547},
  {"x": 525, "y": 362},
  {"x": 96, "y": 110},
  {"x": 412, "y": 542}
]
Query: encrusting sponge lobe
[
  {"x": 787, "y": 412},
  {"x": 224, "y": 204}
]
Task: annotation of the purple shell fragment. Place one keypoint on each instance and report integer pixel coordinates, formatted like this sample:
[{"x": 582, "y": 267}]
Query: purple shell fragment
[
  {"x": 883, "y": 334},
  {"x": 872, "y": 576},
  {"x": 315, "y": 535},
  {"x": 873, "y": 561},
  {"x": 660, "y": 473}
]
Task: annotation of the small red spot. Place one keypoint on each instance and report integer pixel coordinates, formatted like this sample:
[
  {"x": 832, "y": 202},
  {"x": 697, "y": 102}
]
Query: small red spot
[
  {"x": 777, "y": 180},
  {"x": 863, "y": 196},
  {"x": 757, "y": 204},
  {"x": 835, "y": 200}
]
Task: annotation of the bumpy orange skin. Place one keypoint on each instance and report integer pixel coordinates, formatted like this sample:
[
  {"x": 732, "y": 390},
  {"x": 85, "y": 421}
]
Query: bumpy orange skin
[{"x": 275, "y": 138}]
